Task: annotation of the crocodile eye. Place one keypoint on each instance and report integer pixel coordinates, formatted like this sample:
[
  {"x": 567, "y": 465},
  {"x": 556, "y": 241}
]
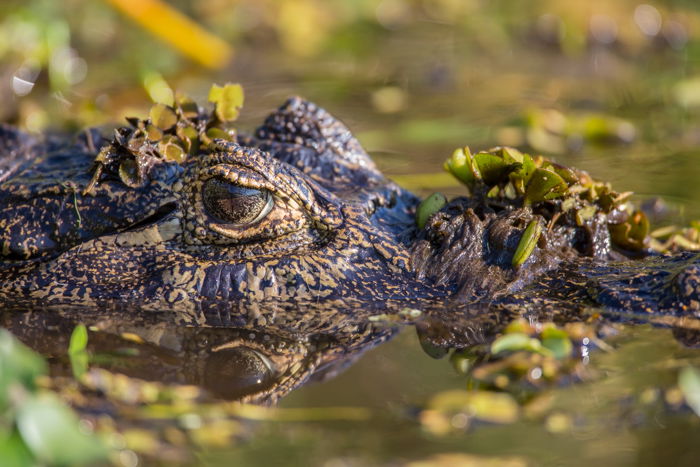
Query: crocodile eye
[
  {"x": 238, "y": 372},
  {"x": 234, "y": 204}
]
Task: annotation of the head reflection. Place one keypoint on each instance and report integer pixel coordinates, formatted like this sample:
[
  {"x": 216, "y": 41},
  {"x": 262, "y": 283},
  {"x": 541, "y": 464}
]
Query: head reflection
[{"x": 233, "y": 373}]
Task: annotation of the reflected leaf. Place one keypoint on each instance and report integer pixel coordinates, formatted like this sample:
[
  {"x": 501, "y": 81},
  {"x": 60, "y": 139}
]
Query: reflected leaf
[
  {"x": 78, "y": 339},
  {"x": 515, "y": 341},
  {"x": 689, "y": 383},
  {"x": 77, "y": 351},
  {"x": 489, "y": 406},
  {"x": 433, "y": 350},
  {"x": 557, "y": 341}
]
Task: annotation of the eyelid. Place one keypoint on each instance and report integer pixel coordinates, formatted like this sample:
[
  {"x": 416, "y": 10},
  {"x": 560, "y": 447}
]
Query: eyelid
[
  {"x": 242, "y": 177},
  {"x": 325, "y": 217}
]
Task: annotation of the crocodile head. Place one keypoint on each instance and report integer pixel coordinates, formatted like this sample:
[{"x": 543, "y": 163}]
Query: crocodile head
[
  {"x": 242, "y": 234},
  {"x": 293, "y": 227}
]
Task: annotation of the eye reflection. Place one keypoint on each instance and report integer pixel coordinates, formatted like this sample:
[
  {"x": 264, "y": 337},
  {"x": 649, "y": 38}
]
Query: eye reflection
[
  {"x": 237, "y": 372},
  {"x": 234, "y": 204}
]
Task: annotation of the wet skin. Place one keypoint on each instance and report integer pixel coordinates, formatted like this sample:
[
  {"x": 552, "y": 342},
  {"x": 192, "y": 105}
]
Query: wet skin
[{"x": 293, "y": 231}]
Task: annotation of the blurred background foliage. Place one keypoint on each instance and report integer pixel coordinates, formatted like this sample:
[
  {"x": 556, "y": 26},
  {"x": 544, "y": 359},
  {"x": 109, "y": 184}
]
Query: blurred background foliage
[{"x": 96, "y": 57}]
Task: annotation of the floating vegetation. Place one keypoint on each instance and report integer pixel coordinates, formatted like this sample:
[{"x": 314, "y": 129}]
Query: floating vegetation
[
  {"x": 506, "y": 176},
  {"x": 533, "y": 355},
  {"x": 228, "y": 100},
  {"x": 524, "y": 374},
  {"x": 502, "y": 377},
  {"x": 170, "y": 133}
]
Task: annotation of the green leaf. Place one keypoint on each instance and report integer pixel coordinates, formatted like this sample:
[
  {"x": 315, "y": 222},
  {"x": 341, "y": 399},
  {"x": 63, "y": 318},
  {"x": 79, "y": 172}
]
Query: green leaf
[
  {"x": 527, "y": 242},
  {"x": 521, "y": 175},
  {"x": 493, "y": 167},
  {"x": 78, "y": 339},
  {"x": 631, "y": 234},
  {"x": 171, "y": 149},
  {"x": 52, "y": 433},
  {"x": 689, "y": 384},
  {"x": 129, "y": 173},
  {"x": 163, "y": 116},
  {"x": 228, "y": 99},
  {"x": 187, "y": 107},
  {"x": 511, "y": 155},
  {"x": 584, "y": 214},
  {"x": 517, "y": 326},
  {"x": 79, "y": 363},
  {"x": 567, "y": 174},
  {"x": 461, "y": 165},
  {"x": 560, "y": 347},
  {"x": 544, "y": 185},
  {"x": 428, "y": 207}
]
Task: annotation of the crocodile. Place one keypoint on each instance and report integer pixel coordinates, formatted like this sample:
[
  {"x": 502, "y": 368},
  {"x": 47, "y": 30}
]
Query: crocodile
[{"x": 294, "y": 229}]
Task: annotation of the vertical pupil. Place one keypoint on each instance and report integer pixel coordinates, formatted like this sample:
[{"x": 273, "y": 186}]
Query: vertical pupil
[{"x": 232, "y": 203}]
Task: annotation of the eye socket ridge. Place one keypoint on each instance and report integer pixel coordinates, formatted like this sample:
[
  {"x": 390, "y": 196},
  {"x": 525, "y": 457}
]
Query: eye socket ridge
[{"x": 235, "y": 204}]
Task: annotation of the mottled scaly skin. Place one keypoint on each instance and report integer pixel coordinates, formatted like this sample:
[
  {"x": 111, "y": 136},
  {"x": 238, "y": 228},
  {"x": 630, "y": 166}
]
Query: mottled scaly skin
[{"x": 339, "y": 245}]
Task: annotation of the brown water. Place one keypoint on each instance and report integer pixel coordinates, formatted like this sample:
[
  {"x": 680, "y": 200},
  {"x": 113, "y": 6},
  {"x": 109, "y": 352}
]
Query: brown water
[{"x": 413, "y": 95}]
